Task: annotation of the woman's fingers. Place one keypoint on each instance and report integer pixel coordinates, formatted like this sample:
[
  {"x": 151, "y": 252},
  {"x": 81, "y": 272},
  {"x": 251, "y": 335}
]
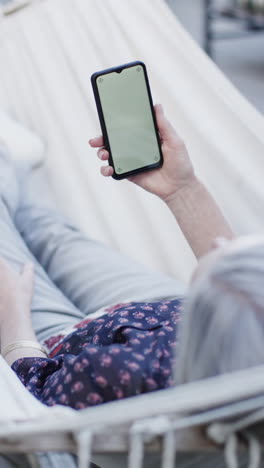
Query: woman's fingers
[
  {"x": 107, "y": 171},
  {"x": 103, "y": 154},
  {"x": 166, "y": 130},
  {"x": 96, "y": 142}
]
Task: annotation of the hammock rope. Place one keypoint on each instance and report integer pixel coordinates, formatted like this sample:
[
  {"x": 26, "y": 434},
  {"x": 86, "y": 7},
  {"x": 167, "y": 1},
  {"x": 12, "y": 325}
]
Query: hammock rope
[
  {"x": 136, "y": 448},
  {"x": 84, "y": 440},
  {"x": 169, "y": 451}
]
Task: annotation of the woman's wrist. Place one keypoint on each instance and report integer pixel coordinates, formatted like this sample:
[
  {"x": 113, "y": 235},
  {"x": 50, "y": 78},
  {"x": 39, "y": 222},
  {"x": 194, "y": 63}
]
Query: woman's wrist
[
  {"x": 16, "y": 290},
  {"x": 16, "y": 327},
  {"x": 185, "y": 190},
  {"x": 198, "y": 216}
]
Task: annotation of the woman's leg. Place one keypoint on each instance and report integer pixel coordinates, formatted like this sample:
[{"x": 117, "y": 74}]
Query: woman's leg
[
  {"x": 89, "y": 273},
  {"x": 40, "y": 460},
  {"x": 9, "y": 460},
  {"x": 51, "y": 310}
]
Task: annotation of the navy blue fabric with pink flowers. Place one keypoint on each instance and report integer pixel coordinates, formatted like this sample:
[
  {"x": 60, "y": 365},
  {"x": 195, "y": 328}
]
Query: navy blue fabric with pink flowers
[{"x": 128, "y": 351}]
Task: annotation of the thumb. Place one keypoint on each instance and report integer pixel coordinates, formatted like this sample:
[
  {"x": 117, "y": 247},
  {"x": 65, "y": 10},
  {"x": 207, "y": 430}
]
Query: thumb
[{"x": 166, "y": 130}]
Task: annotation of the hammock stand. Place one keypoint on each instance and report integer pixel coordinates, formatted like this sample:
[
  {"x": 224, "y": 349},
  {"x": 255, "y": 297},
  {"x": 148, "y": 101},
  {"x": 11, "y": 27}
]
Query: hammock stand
[
  {"x": 52, "y": 42},
  {"x": 247, "y": 14}
]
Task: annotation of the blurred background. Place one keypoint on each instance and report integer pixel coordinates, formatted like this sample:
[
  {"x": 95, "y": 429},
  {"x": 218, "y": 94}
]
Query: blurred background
[
  {"x": 232, "y": 31},
  {"x": 205, "y": 60}
]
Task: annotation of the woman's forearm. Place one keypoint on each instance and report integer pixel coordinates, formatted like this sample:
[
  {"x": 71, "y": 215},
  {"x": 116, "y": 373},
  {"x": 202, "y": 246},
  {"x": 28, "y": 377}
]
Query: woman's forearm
[
  {"x": 199, "y": 217},
  {"x": 18, "y": 328},
  {"x": 16, "y": 290}
]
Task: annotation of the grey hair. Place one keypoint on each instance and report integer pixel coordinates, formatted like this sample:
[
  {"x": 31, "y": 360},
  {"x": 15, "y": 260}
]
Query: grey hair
[{"x": 223, "y": 320}]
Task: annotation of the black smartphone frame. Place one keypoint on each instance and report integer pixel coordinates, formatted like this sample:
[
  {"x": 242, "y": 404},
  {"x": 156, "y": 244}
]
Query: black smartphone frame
[{"x": 119, "y": 69}]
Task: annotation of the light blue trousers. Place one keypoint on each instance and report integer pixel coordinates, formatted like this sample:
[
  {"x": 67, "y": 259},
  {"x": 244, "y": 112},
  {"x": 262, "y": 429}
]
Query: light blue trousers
[{"x": 74, "y": 275}]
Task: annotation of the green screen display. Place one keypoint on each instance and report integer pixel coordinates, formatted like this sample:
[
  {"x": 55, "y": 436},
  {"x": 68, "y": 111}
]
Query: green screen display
[{"x": 128, "y": 119}]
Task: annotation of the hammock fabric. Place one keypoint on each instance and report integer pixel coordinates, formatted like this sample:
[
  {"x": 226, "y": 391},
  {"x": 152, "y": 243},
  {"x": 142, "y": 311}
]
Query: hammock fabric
[{"x": 47, "y": 53}]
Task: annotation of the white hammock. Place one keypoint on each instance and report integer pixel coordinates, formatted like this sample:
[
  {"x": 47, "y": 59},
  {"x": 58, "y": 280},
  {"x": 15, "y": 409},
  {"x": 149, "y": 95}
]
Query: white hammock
[{"x": 47, "y": 54}]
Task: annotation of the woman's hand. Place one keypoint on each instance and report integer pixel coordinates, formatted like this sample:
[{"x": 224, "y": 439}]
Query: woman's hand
[
  {"x": 16, "y": 290},
  {"x": 177, "y": 170},
  {"x": 195, "y": 210}
]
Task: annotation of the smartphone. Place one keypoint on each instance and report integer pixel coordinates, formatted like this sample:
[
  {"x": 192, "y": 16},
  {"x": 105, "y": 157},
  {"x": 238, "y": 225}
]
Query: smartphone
[{"x": 124, "y": 104}]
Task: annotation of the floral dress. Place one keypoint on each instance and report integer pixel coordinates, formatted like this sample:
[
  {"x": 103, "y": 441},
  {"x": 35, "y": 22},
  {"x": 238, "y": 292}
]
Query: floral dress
[{"x": 126, "y": 350}]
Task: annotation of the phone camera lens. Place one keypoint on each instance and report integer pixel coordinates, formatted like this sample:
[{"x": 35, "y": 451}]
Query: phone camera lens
[
  {"x": 101, "y": 80},
  {"x": 138, "y": 69}
]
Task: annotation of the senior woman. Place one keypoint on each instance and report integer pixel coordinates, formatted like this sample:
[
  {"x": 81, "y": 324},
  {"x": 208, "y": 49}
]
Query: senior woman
[
  {"x": 112, "y": 328},
  {"x": 65, "y": 355}
]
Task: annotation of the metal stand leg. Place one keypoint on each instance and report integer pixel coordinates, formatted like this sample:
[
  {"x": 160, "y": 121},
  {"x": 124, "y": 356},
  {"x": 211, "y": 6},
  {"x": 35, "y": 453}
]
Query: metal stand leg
[{"x": 208, "y": 36}]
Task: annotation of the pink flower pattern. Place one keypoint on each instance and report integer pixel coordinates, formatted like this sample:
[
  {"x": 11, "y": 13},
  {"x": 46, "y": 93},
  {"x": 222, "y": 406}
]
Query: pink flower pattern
[{"x": 129, "y": 349}]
